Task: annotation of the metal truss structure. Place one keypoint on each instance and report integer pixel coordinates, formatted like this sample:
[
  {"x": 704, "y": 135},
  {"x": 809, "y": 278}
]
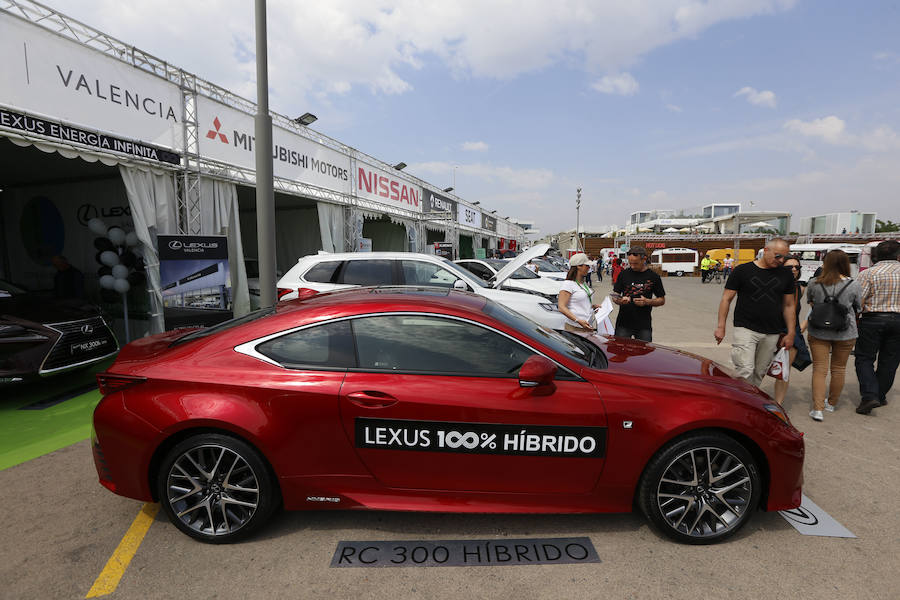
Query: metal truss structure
[{"x": 194, "y": 166}]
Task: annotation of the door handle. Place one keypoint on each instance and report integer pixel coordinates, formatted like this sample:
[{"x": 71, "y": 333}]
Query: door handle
[{"x": 369, "y": 399}]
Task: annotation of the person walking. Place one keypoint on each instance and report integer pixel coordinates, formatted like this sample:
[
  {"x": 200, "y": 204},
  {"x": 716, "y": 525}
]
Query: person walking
[
  {"x": 598, "y": 267},
  {"x": 705, "y": 266},
  {"x": 799, "y": 354},
  {"x": 831, "y": 342},
  {"x": 765, "y": 308},
  {"x": 879, "y": 327},
  {"x": 634, "y": 293},
  {"x": 575, "y": 297},
  {"x": 587, "y": 277},
  {"x": 616, "y": 269},
  {"x": 728, "y": 263}
]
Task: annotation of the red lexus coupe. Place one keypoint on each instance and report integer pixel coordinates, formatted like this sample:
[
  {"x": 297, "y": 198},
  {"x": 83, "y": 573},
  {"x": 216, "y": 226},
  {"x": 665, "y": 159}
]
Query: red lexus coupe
[{"x": 434, "y": 400}]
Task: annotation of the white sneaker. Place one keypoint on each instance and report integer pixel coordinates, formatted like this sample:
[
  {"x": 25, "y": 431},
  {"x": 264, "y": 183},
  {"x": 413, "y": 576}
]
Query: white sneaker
[
  {"x": 829, "y": 407},
  {"x": 816, "y": 415}
]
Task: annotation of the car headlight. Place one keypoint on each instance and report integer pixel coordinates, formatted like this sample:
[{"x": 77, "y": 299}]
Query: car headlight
[
  {"x": 17, "y": 333},
  {"x": 778, "y": 412}
]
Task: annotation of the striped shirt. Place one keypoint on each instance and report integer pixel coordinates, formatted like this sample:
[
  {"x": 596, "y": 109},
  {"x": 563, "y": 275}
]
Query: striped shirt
[{"x": 881, "y": 287}]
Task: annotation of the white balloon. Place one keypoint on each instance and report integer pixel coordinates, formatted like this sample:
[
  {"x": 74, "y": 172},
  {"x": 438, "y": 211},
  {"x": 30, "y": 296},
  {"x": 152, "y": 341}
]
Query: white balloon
[
  {"x": 131, "y": 239},
  {"x": 97, "y": 226},
  {"x": 107, "y": 282},
  {"x": 109, "y": 258},
  {"x": 116, "y": 235},
  {"x": 121, "y": 285},
  {"x": 120, "y": 271}
]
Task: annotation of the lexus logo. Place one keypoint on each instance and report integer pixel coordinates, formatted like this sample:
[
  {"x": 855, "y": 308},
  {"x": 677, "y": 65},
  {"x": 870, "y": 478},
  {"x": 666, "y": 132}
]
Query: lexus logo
[
  {"x": 175, "y": 245},
  {"x": 87, "y": 329},
  {"x": 212, "y": 133}
]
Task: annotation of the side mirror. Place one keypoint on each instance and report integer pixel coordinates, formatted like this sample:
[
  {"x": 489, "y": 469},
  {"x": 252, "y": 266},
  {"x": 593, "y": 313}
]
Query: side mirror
[
  {"x": 537, "y": 373},
  {"x": 459, "y": 284}
]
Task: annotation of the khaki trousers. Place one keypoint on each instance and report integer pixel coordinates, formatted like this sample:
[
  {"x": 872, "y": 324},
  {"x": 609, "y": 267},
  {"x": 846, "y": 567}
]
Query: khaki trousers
[
  {"x": 751, "y": 353},
  {"x": 838, "y": 351}
]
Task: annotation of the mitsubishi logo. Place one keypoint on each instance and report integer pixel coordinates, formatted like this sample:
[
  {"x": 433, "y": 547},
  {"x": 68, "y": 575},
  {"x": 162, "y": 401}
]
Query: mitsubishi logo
[
  {"x": 211, "y": 134},
  {"x": 87, "y": 329}
]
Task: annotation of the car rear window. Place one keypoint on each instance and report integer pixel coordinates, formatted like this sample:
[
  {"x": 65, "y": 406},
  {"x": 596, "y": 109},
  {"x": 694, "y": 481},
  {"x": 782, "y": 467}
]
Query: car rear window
[
  {"x": 323, "y": 272},
  {"x": 367, "y": 272},
  {"x": 322, "y": 346}
]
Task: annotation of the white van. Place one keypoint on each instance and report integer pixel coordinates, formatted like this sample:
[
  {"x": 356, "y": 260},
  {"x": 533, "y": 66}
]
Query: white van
[
  {"x": 811, "y": 256},
  {"x": 865, "y": 259},
  {"x": 676, "y": 261}
]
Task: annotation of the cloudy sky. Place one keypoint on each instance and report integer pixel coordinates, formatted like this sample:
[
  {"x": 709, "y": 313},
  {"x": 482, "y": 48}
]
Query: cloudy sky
[{"x": 791, "y": 105}]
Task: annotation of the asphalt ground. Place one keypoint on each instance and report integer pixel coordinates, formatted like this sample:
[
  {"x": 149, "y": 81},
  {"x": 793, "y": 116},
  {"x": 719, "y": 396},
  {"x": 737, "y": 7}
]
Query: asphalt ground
[{"x": 60, "y": 527}]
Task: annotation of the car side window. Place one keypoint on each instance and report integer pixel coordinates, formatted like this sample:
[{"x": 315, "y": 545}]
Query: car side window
[
  {"x": 424, "y": 273},
  {"x": 323, "y": 272},
  {"x": 435, "y": 345},
  {"x": 479, "y": 270},
  {"x": 367, "y": 272},
  {"x": 321, "y": 346}
]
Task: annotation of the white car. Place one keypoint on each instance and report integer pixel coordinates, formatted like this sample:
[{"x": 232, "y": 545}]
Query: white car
[
  {"x": 550, "y": 270},
  {"x": 522, "y": 279},
  {"x": 326, "y": 272}
]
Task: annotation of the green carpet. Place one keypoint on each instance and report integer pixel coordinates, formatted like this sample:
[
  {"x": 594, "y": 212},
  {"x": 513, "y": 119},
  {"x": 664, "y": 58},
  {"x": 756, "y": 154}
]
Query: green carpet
[{"x": 42, "y": 417}]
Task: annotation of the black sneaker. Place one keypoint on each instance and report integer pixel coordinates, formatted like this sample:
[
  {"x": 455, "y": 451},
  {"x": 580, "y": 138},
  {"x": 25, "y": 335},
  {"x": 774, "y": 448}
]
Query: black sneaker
[{"x": 866, "y": 406}]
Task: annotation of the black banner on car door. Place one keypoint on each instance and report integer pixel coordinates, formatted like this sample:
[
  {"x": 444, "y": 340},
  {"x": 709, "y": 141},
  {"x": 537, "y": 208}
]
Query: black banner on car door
[{"x": 481, "y": 438}]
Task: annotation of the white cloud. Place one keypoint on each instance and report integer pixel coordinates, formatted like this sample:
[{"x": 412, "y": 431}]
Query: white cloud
[
  {"x": 674, "y": 108},
  {"x": 623, "y": 85},
  {"x": 474, "y": 146},
  {"x": 331, "y": 48},
  {"x": 831, "y": 128},
  {"x": 508, "y": 176},
  {"x": 764, "y": 98}
]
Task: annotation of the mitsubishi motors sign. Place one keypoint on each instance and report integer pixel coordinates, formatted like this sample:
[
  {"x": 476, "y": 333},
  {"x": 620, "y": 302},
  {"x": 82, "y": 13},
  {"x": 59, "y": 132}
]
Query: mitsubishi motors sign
[
  {"x": 85, "y": 93},
  {"x": 227, "y": 135}
]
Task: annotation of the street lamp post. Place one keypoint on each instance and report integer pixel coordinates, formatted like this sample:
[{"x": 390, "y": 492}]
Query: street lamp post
[
  {"x": 265, "y": 190},
  {"x": 578, "y": 245}
]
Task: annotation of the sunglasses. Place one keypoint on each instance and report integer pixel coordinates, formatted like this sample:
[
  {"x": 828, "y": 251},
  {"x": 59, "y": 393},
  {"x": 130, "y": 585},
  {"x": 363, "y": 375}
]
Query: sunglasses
[
  {"x": 795, "y": 267},
  {"x": 780, "y": 256},
  {"x": 635, "y": 253}
]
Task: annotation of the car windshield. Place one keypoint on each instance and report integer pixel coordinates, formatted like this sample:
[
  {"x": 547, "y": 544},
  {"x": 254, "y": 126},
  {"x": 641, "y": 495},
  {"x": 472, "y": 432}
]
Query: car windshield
[
  {"x": 7, "y": 289},
  {"x": 206, "y": 331},
  {"x": 573, "y": 346},
  {"x": 546, "y": 265},
  {"x": 520, "y": 273},
  {"x": 461, "y": 273}
]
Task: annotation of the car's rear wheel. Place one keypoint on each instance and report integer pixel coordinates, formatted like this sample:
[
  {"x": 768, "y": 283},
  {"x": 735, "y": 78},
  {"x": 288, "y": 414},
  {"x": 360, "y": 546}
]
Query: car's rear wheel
[
  {"x": 700, "y": 489},
  {"x": 216, "y": 488}
]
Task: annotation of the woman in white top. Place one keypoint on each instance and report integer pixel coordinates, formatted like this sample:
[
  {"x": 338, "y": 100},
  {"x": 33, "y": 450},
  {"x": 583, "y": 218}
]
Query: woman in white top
[{"x": 575, "y": 296}]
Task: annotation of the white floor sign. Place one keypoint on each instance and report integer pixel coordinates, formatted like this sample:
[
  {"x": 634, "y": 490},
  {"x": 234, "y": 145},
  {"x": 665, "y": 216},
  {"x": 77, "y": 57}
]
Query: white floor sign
[{"x": 809, "y": 519}]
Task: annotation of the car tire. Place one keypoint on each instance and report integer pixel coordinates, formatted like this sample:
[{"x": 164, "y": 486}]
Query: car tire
[
  {"x": 700, "y": 489},
  {"x": 216, "y": 488}
]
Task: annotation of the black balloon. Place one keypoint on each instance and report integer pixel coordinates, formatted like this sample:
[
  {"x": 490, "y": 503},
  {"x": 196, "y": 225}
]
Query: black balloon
[
  {"x": 102, "y": 244},
  {"x": 136, "y": 278},
  {"x": 104, "y": 270},
  {"x": 128, "y": 258}
]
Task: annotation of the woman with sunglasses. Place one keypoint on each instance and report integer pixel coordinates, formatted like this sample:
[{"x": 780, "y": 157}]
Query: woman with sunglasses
[
  {"x": 830, "y": 348},
  {"x": 799, "y": 354},
  {"x": 575, "y": 297}
]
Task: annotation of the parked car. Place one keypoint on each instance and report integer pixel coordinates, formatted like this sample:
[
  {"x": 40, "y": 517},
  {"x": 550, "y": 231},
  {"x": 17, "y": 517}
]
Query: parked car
[
  {"x": 550, "y": 270},
  {"x": 434, "y": 400},
  {"x": 325, "y": 272},
  {"x": 42, "y": 336},
  {"x": 522, "y": 279}
]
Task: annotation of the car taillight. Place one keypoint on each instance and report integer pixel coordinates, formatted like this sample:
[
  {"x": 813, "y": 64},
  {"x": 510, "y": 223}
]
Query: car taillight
[
  {"x": 109, "y": 383},
  {"x": 306, "y": 293}
]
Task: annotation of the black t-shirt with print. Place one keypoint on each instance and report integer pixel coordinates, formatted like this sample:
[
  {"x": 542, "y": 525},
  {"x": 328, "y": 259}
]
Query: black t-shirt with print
[
  {"x": 760, "y": 296},
  {"x": 633, "y": 283}
]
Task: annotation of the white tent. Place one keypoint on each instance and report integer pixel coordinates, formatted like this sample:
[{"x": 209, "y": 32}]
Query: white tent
[
  {"x": 670, "y": 230},
  {"x": 760, "y": 224}
]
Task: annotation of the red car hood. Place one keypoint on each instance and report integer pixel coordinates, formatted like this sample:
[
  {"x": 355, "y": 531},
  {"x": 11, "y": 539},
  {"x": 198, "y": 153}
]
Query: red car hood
[{"x": 661, "y": 366}]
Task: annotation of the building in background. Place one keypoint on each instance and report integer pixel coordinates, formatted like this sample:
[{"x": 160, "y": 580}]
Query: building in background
[{"x": 844, "y": 222}]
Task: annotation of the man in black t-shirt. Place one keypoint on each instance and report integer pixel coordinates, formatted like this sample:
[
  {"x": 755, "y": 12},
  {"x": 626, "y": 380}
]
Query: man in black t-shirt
[
  {"x": 765, "y": 308},
  {"x": 633, "y": 292}
]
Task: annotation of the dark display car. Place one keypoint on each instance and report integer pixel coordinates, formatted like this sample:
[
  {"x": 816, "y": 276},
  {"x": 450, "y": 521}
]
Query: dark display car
[
  {"x": 434, "y": 400},
  {"x": 41, "y": 336}
]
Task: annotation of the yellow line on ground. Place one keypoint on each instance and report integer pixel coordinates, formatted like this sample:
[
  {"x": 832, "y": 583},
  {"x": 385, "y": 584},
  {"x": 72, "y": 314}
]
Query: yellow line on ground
[{"x": 108, "y": 580}]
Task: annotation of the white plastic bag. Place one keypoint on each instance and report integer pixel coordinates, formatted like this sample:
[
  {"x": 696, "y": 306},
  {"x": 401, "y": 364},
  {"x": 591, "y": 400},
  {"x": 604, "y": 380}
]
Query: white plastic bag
[
  {"x": 601, "y": 315},
  {"x": 780, "y": 367}
]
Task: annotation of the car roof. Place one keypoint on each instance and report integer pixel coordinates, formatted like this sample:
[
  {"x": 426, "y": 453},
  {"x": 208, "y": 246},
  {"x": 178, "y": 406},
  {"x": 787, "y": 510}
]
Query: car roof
[
  {"x": 389, "y": 298},
  {"x": 367, "y": 256}
]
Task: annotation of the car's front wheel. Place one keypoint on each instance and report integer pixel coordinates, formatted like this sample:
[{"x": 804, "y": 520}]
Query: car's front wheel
[
  {"x": 216, "y": 488},
  {"x": 700, "y": 489}
]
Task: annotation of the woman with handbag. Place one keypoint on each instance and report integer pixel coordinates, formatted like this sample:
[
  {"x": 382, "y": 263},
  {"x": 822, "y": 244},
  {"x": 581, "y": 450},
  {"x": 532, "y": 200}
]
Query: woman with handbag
[
  {"x": 799, "y": 353},
  {"x": 835, "y": 301}
]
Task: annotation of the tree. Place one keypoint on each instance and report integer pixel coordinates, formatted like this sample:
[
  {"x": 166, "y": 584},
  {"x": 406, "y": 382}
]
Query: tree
[{"x": 886, "y": 226}]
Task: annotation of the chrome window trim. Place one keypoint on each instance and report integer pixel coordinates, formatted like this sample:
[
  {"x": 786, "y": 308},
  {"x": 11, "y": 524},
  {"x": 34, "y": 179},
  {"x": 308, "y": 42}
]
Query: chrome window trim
[{"x": 249, "y": 348}]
